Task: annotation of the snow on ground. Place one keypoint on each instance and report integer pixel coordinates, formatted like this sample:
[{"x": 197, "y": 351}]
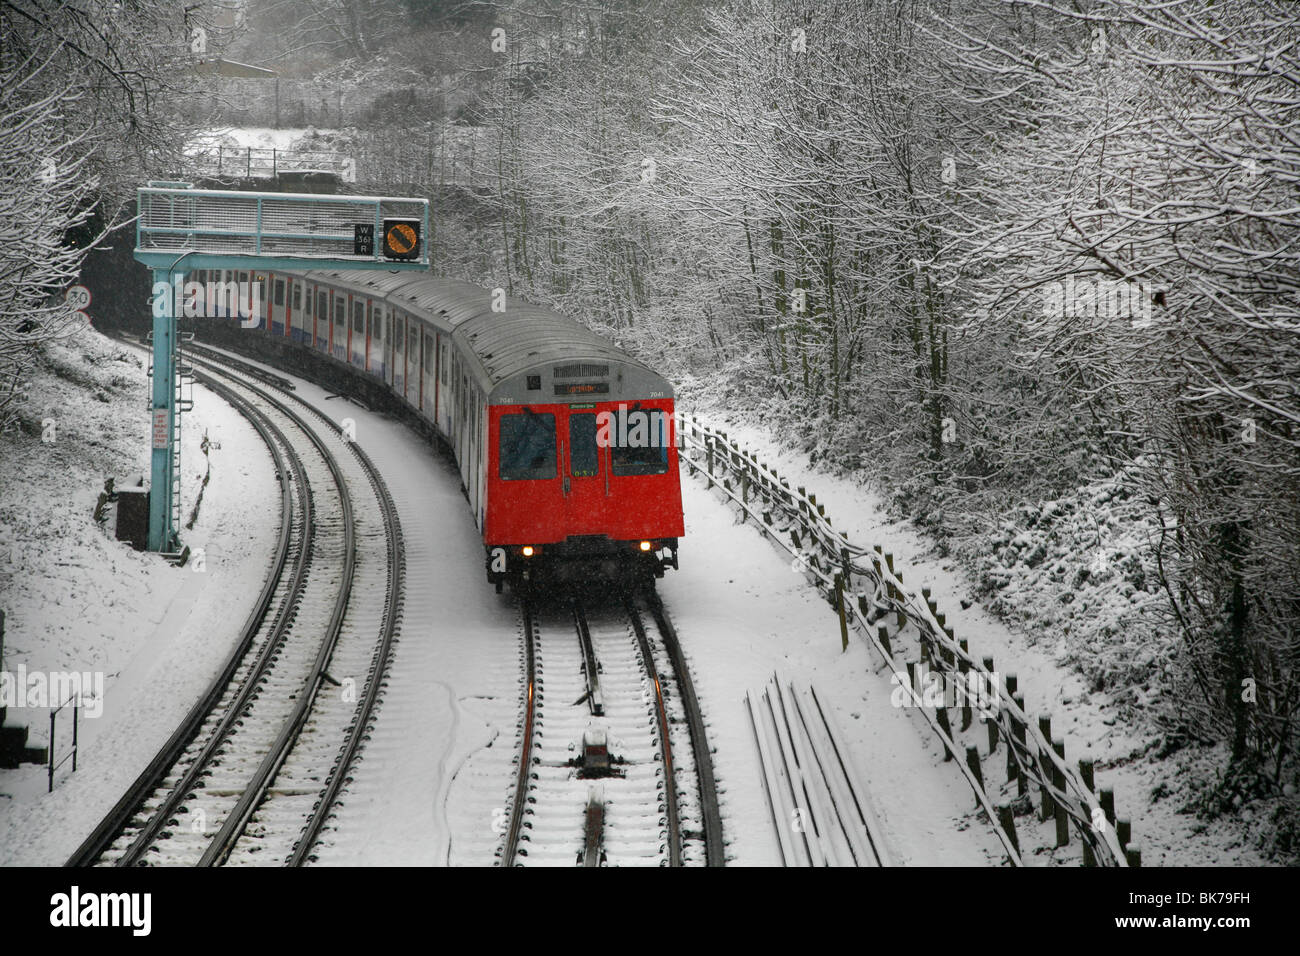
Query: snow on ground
[
  {"x": 743, "y": 614},
  {"x": 438, "y": 795},
  {"x": 1126, "y": 756},
  {"x": 78, "y": 600},
  {"x": 437, "y": 768}
]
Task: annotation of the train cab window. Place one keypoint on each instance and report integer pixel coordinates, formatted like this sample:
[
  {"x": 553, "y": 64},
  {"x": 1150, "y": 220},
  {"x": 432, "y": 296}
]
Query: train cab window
[
  {"x": 584, "y": 454},
  {"x": 638, "y": 441},
  {"x": 527, "y": 446},
  {"x": 279, "y": 292}
]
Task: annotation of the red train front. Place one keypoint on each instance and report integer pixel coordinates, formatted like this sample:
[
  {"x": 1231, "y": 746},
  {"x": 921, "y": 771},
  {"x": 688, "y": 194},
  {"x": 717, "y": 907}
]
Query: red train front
[{"x": 582, "y": 481}]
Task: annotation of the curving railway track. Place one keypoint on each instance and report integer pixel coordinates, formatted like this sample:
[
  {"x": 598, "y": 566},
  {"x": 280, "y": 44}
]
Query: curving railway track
[{"x": 251, "y": 774}]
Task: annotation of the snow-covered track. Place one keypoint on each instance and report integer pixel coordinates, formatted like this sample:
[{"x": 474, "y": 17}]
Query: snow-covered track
[
  {"x": 258, "y": 786},
  {"x": 818, "y": 808},
  {"x": 118, "y": 818},
  {"x": 602, "y": 695},
  {"x": 286, "y": 819}
]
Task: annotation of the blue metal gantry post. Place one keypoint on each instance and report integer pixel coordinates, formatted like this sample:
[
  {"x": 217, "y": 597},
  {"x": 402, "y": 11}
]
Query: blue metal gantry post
[{"x": 180, "y": 229}]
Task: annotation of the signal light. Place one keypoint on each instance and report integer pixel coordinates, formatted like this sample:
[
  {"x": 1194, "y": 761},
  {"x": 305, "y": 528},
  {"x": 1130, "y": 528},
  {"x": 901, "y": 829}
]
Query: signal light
[
  {"x": 645, "y": 545},
  {"x": 528, "y": 551}
]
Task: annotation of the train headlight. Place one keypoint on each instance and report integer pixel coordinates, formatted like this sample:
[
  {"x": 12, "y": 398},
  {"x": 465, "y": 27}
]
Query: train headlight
[
  {"x": 528, "y": 551},
  {"x": 645, "y": 545}
]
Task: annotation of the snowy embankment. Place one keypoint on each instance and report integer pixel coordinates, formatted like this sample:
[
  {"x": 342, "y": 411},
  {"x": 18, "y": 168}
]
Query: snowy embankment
[
  {"x": 437, "y": 770},
  {"x": 1009, "y": 605},
  {"x": 78, "y": 600}
]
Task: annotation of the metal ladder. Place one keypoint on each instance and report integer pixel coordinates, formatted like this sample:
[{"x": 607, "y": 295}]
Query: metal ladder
[{"x": 183, "y": 401}]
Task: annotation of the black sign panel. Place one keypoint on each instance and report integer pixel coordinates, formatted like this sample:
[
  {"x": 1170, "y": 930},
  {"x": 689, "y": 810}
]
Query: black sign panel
[
  {"x": 402, "y": 239},
  {"x": 363, "y": 239}
]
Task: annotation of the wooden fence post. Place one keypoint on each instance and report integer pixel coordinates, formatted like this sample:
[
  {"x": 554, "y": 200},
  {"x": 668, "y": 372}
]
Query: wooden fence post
[
  {"x": 973, "y": 761},
  {"x": 963, "y": 676},
  {"x": 839, "y": 607},
  {"x": 1107, "y": 800},
  {"x": 1086, "y": 768},
  {"x": 995, "y": 692},
  {"x": 1008, "y": 821},
  {"x": 1019, "y": 732},
  {"x": 1044, "y": 769},
  {"x": 941, "y": 714},
  {"x": 1058, "y": 781}
]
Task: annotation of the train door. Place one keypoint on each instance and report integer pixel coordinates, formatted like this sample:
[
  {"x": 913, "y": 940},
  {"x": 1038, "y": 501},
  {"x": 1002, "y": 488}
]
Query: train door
[
  {"x": 322, "y": 323},
  {"x": 339, "y": 342},
  {"x": 444, "y": 378},
  {"x": 399, "y": 353},
  {"x": 306, "y": 328},
  {"x": 412, "y": 362},
  {"x": 386, "y": 345},
  {"x": 427, "y": 393},
  {"x": 583, "y": 464},
  {"x": 357, "y": 335},
  {"x": 438, "y": 359},
  {"x": 375, "y": 350},
  {"x": 370, "y": 331},
  {"x": 259, "y": 303},
  {"x": 466, "y": 428}
]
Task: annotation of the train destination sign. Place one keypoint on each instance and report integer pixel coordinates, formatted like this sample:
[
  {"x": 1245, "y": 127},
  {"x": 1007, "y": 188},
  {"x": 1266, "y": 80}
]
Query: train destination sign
[{"x": 582, "y": 388}]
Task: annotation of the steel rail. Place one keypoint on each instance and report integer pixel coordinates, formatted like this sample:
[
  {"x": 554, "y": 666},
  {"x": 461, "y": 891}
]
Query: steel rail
[
  {"x": 517, "y": 808},
  {"x": 219, "y": 849},
  {"x": 366, "y": 707},
  {"x": 665, "y": 742},
  {"x": 117, "y": 819},
  {"x": 715, "y": 853}
]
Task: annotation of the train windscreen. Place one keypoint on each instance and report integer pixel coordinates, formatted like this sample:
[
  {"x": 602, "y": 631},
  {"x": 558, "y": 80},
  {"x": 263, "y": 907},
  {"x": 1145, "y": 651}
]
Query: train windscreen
[
  {"x": 638, "y": 443},
  {"x": 527, "y": 446}
]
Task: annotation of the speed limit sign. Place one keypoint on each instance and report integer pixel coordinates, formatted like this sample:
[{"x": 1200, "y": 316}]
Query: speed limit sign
[{"x": 78, "y": 297}]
